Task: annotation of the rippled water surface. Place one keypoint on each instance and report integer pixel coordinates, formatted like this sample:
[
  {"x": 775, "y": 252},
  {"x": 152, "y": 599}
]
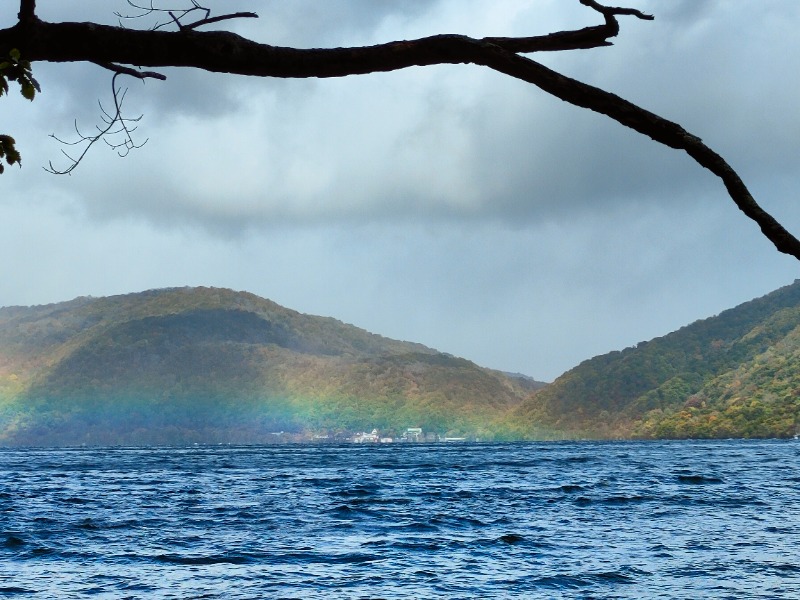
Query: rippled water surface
[{"x": 556, "y": 520}]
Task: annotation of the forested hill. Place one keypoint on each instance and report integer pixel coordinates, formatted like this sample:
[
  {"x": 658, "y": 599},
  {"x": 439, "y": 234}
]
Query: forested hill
[
  {"x": 212, "y": 365},
  {"x": 733, "y": 375}
]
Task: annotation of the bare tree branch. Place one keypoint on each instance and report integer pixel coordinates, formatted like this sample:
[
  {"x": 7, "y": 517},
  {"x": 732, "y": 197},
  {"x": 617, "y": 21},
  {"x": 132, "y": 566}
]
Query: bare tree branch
[
  {"x": 122, "y": 70},
  {"x": 645, "y": 122},
  {"x": 210, "y": 20},
  {"x": 176, "y": 15},
  {"x": 612, "y": 11},
  {"x": 114, "y": 125},
  {"x": 221, "y": 51},
  {"x": 226, "y": 52}
]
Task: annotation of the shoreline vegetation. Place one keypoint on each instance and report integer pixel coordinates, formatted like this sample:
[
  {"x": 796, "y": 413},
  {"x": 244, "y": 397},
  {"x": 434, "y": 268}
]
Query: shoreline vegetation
[{"x": 208, "y": 365}]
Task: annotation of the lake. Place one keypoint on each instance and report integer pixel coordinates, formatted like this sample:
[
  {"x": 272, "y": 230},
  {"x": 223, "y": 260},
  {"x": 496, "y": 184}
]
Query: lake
[{"x": 688, "y": 519}]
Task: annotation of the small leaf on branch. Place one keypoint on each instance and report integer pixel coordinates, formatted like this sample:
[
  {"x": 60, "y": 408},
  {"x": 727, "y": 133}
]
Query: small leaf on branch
[
  {"x": 9, "y": 151},
  {"x": 28, "y": 91}
]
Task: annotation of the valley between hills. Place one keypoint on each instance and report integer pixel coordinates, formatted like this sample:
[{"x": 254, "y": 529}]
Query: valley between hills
[{"x": 209, "y": 365}]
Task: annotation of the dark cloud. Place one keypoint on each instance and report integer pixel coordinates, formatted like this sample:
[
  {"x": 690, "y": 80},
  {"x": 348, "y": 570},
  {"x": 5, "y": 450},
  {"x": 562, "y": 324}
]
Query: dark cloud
[{"x": 462, "y": 143}]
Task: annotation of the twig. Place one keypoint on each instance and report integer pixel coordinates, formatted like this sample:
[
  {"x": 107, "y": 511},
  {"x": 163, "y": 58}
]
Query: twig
[
  {"x": 178, "y": 14},
  {"x": 123, "y": 70},
  {"x": 115, "y": 124}
]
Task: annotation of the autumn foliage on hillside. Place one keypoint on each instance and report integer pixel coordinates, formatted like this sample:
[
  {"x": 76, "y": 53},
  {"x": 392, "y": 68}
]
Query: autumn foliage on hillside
[{"x": 733, "y": 375}]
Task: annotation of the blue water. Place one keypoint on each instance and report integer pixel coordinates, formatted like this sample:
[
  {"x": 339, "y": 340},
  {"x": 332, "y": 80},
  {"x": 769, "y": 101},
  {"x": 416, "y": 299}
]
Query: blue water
[{"x": 552, "y": 520}]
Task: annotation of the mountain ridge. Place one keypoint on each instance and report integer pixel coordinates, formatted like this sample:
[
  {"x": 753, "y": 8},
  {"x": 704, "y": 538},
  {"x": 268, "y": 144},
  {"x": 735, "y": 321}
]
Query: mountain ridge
[{"x": 210, "y": 364}]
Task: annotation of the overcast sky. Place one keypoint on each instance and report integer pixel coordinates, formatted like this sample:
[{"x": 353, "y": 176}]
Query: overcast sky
[{"x": 451, "y": 205}]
